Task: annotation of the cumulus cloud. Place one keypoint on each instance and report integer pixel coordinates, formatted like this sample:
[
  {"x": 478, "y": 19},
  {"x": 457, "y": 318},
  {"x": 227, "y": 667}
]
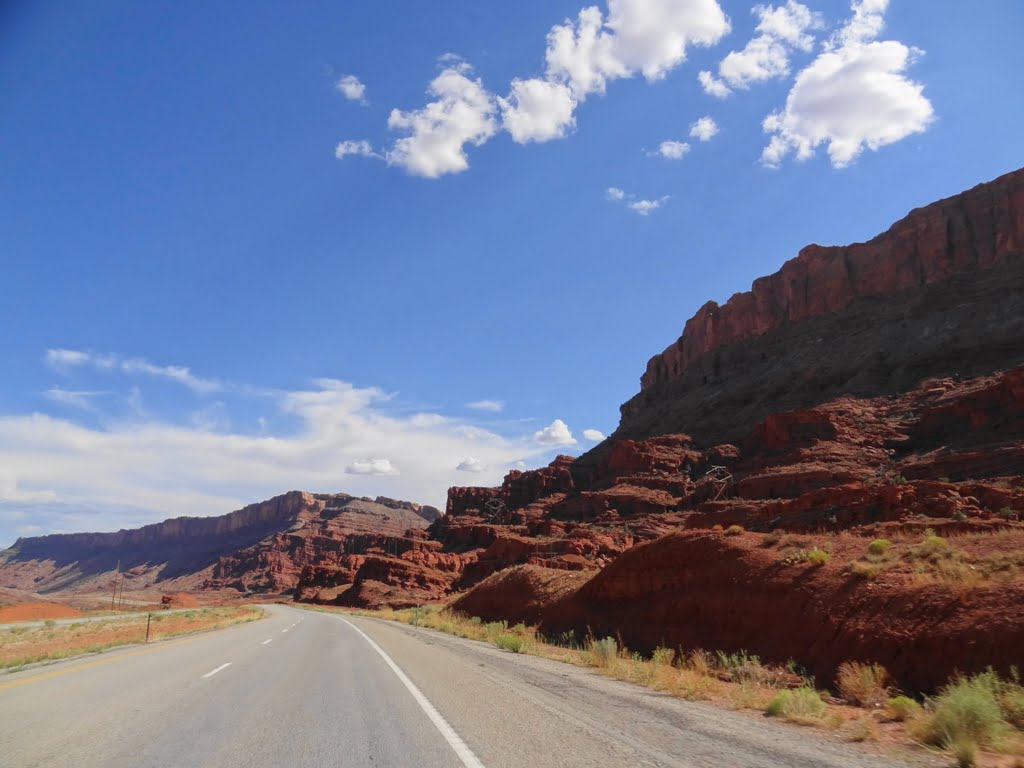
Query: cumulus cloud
[
  {"x": 672, "y": 150},
  {"x": 780, "y": 29},
  {"x": 491, "y": 406},
  {"x": 463, "y": 112},
  {"x": 582, "y": 55},
  {"x": 593, "y": 435},
  {"x": 631, "y": 201},
  {"x": 704, "y": 129},
  {"x": 555, "y": 433},
  {"x": 470, "y": 464},
  {"x": 361, "y": 148},
  {"x": 63, "y": 360},
  {"x": 351, "y": 88},
  {"x": 371, "y": 467},
  {"x": 853, "y": 96},
  {"x": 537, "y": 110}
]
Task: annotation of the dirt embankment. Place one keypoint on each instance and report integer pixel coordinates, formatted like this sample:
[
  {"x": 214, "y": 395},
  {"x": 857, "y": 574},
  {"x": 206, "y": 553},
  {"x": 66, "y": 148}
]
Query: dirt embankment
[
  {"x": 37, "y": 611},
  {"x": 924, "y": 617}
]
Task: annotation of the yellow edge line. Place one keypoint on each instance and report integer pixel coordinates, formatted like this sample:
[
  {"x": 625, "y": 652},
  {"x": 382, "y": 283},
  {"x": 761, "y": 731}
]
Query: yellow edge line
[{"x": 91, "y": 664}]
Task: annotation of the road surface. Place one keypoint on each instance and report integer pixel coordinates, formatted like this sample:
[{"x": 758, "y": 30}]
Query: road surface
[{"x": 301, "y": 689}]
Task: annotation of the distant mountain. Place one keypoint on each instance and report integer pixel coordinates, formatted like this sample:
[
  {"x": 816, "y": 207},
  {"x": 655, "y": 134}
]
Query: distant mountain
[{"x": 261, "y": 547}]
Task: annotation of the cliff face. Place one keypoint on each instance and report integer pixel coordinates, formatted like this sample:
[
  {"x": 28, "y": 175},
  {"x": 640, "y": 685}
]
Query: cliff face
[
  {"x": 261, "y": 547},
  {"x": 940, "y": 293}
]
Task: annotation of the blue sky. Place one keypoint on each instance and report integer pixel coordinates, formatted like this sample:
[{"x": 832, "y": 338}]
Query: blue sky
[{"x": 202, "y": 304}]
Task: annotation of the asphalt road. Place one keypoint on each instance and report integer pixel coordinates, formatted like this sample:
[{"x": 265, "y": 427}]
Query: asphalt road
[{"x": 304, "y": 689}]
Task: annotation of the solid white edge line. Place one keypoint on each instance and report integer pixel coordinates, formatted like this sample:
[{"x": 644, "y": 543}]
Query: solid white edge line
[
  {"x": 454, "y": 741},
  {"x": 213, "y": 672},
  {"x": 266, "y": 641}
]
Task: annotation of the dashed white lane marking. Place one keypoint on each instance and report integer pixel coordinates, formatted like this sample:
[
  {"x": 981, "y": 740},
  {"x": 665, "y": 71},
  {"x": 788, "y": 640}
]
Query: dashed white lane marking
[
  {"x": 266, "y": 641},
  {"x": 454, "y": 741},
  {"x": 213, "y": 672},
  {"x": 285, "y": 630}
]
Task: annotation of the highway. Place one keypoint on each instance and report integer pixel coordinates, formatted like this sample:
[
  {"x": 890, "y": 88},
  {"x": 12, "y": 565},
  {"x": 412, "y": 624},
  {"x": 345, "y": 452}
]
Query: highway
[{"x": 301, "y": 688}]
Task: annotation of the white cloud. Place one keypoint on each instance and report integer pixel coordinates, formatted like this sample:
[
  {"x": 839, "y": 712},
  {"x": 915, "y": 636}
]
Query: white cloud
[
  {"x": 631, "y": 201},
  {"x": 648, "y": 37},
  {"x": 672, "y": 150},
  {"x": 537, "y": 110},
  {"x": 593, "y": 435},
  {"x": 491, "y": 406},
  {"x": 371, "y": 467},
  {"x": 463, "y": 113},
  {"x": 360, "y": 148},
  {"x": 75, "y": 399},
  {"x": 645, "y": 207},
  {"x": 470, "y": 464},
  {"x": 713, "y": 86},
  {"x": 704, "y": 129},
  {"x": 351, "y": 88},
  {"x": 853, "y": 96},
  {"x": 780, "y": 29},
  {"x": 64, "y": 359},
  {"x": 555, "y": 433}
]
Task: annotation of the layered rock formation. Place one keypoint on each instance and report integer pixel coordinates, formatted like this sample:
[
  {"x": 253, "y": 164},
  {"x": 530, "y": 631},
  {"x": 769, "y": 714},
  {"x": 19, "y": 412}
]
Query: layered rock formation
[{"x": 260, "y": 548}]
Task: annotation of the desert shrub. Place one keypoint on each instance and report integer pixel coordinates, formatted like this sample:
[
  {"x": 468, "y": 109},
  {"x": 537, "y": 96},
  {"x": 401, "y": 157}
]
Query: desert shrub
[
  {"x": 734, "y": 530},
  {"x": 663, "y": 656},
  {"x": 1011, "y": 702},
  {"x": 902, "y": 708},
  {"x": 743, "y": 667},
  {"x": 1006, "y": 513},
  {"x": 603, "y": 652},
  {"x": 493, "y": 628},
  {"x": 866, "y": 685},
  {"x": 933, "y": 548},
  {"x": 863, "y": 729},
  {"x": 879, "y": 547},
  {"x": 771, "y": 539},
  {"x": 959, "y": 516},
  {"x": 965, "y": 752},
  {"x": 966, "y": 710},
  {"x": 717, "y": 528},
  {"x": 818, "y": 557},
  {"x": 700, "y": 661},
  {"x": 799, "y": 705},
  {"x": 509, "y": 642},
  {"x": 50, "y": 622},
  {"x": 475, "y": 620}
]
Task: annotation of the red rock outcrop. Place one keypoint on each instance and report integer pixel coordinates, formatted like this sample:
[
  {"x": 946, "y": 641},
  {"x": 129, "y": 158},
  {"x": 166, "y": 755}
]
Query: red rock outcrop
[{"x": 977, "y": 230}]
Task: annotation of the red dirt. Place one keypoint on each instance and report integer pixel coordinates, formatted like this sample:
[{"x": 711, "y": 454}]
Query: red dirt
[{"x": 37, "y": 611}]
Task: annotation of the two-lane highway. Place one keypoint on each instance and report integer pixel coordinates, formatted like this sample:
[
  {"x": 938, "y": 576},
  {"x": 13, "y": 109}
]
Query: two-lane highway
[{"x": 308, "y": 689}]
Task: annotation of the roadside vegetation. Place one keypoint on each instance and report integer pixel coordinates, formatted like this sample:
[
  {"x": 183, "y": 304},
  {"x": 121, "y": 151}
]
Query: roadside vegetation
[
  {"x": 27, "y": 645},
  {"x": 977, "y": 720}
]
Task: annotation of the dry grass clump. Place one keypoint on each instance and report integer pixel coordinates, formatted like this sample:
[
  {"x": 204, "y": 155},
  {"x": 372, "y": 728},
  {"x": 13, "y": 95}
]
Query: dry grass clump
[
  {"x": 48, "y": 643},
  {"x": 803, "y": 706},
  {"x": 866, "y": 685},
  {"x": 734, "y": 530},
  {"x": 902, "y": 708},
  {"x": 603, "y": 652}
]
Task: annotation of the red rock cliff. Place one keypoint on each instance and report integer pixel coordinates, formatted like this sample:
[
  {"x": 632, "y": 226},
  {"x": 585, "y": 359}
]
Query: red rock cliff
[{"x": 976, "y": 230}]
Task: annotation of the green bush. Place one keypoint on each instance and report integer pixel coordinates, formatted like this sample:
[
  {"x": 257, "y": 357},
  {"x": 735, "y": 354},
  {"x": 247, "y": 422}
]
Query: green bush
[
  {"x": 902, "y": 708},
  {"x": 879, "y": 547},
  {"x": 967, "y": 710},
  {"x": 799, "y": 705},
  {"x": 818, "y": 557},
  {"x": 509, "y": 642},
  {"x": 663, "y": 656},
  {"x": 604, "y": 651}
]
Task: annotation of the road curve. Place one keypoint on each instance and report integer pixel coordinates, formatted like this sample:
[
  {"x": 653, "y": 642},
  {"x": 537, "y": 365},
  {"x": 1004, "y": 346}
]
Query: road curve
[{"x": 301, "y": 688}]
